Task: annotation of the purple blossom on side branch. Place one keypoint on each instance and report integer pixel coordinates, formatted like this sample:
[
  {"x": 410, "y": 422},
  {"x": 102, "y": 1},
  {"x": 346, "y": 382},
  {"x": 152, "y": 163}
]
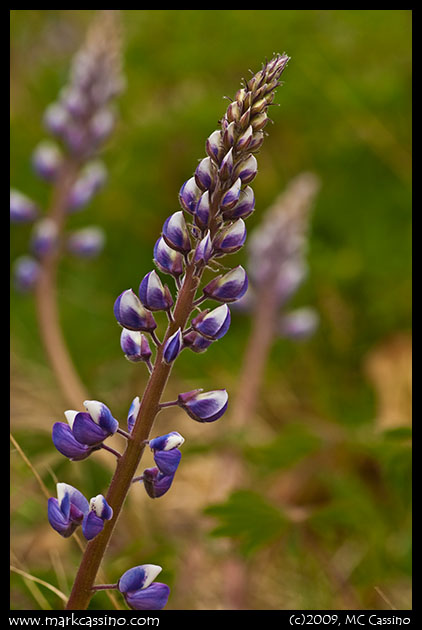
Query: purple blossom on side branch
[{"x": 215, "y": 201}]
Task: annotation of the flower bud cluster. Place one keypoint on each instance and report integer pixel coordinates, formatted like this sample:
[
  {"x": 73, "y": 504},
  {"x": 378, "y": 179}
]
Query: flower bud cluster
[{"x": 81, "y": 120}]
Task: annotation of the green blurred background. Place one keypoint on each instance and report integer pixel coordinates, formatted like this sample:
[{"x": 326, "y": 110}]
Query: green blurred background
[{"x": 330, "y": 440}]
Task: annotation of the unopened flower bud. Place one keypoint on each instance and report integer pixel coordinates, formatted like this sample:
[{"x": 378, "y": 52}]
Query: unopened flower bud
[
  {"x": 205, "y": 174},
  {"x": 154, "y": 296},
  {"x": 167, "y": 259},
  {"x": 247, "y": 169},
  {"x": 44, "y": 237},
  {"x": 175, "y": 233},
  {"x": 244, "y": 207},
  {"x": 22, "y": 209},
  {"x": 299, "y": 324},
  {"x": 130, "y": 313},
  {"x": 204, "y": 249},
  {"x": 135, "y": 346},
  {"x": 196, "y": 342},
  {"x": 229, "y": 287},
  {"x": 213, "y": 324},
  {"x": 56, "y": 119},
  {"x": 204, "y": 406},
  {"x": 189, "y": 195},
  {"x": 226, "y": 167},
  {"x": 133, "y": 413},
  {"x": 47, "y": 160},
  {"x": 86, "y": 242},
  {"x": 231, "y": 239},
  {"x": 231, "y": 197},
  {"x": 214, "y": 146},
  {"x": 26, "y": 271},
  {"x": 202, "y": 210},
  {"x": 173, "y": 346}
]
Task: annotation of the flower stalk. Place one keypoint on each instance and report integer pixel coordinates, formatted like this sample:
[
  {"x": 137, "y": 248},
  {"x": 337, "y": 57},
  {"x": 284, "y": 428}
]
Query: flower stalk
[{"x": 213, "y": 198}]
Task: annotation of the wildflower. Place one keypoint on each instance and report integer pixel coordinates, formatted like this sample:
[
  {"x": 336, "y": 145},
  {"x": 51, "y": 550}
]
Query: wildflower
[
  {"x": 22, "y": 209},
  {"x": 99, "y": 511},
  {"x": 212, "y": 324},
  {"x": 154, "y": 296},
  {"x": 67, "y": 512},
  {"x": 206, "y": 406},
  {"x": 229, "y": 287},
  {"x": 131, "y": 314},
  {"x": 173, "y": 346},
  {"x": 139, "y": 589}
]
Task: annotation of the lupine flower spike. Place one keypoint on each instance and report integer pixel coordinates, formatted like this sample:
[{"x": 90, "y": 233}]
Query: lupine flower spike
[
  {"x": 214, "y": 201},
  {"x": 79, "y": 121}
]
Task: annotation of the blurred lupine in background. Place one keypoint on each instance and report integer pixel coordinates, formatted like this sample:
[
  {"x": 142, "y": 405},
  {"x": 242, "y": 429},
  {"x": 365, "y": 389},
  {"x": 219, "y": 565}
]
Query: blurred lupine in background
[
  {"x": 81, "y": 121},
  {"x": 277, "y": 267},
  {"x": 214, "y": 199}
]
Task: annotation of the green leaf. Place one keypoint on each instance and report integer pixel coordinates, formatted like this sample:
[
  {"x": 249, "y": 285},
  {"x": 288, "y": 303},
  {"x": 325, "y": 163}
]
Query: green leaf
[{"x": 249, "y": 519}]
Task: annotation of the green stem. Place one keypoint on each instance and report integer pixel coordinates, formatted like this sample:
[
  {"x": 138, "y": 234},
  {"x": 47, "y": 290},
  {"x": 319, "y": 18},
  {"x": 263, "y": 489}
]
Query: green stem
[{"x": 129, "y": 461}]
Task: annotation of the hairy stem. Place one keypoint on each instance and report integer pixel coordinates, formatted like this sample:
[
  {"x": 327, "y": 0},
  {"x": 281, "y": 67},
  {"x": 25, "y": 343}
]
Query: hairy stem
[
  {"x": 129, "y": 461},
  {"x": 46, "y": 296}
]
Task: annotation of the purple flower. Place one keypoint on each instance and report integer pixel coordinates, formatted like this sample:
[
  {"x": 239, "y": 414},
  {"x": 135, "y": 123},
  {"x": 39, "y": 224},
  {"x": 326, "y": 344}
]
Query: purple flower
[
  {"x": 173, "y": 346},
  {"x": 196, "y": 342},
  {"x": 204, "y": 249},
  {"x": 214, "y": 146},
  {"x": 139, "y": 589},
  {"x": 231, "y": 238},
  {"x": 133, "y": 413},
  {"x": 44, "y": 236},
  {"x": 166, "y": 454},
  {"x": 26, "y": 271},
  {"x": 99, "y": 511},
  {"x": 101, "y": 415},
  {"x": 232, "y": 196},
  {"x": 131, "y": 314},
  {"x": 67, "y": 512},
  {"x": 67, "y": 444},
  {"x": 247, "y": 169},
  {"x": 204, "y": 406},
  {"x": 155, "y": 482},
  {"x": 87, "y": 242},
  {"x": 168, "y": 260},
  {"x": 244, "y": 206},
  {"x": 154, "y": 296},
  {"x": 189, "y": 195},
  {"x": 229, "y": 287},
  {"x": 47, "y": 160},
  {"x": 22, "y": 209},
  {"x": 299, "y": 324},
  {"x": 135, "y": 346},
  {"x": 205, "y": 174},
  {"x": 175, "y": 233},
  {"x": 212, "y": 324},
  {"x": 202, "y": 210}
]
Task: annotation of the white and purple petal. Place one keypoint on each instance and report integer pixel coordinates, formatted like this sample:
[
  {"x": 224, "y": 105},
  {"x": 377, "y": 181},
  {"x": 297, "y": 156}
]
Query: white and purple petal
[
  {"x": 131, "y": 314},
  {"x": 167, "y": 259},
  {"x": 101, "y": 415},
  {"x": 229, "y": 287},
  {"x": 168, "y": 461},
  {"x": 214, "y": 324},
  {"x": 204, "y": 406},
  {"x": 175, "y": 233},
  {"x": 153, "y": 295},
  {"x": 138, "y": 578},
  {"x": 133, "y": 413},
  {"x": 166, "y": 442},
  {"x": 173, "y": 346},
  {"x": 154, "y": 597},
  {"x": 66, "y": 443},
  {"x": 189, "y": 195}
]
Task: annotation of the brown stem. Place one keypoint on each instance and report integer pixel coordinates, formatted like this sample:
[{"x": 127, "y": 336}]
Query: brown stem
[
  {"x": 46, "y": 297},
  {"x": 256, "y": 356},
  {"x": 128, "y": 463}
]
